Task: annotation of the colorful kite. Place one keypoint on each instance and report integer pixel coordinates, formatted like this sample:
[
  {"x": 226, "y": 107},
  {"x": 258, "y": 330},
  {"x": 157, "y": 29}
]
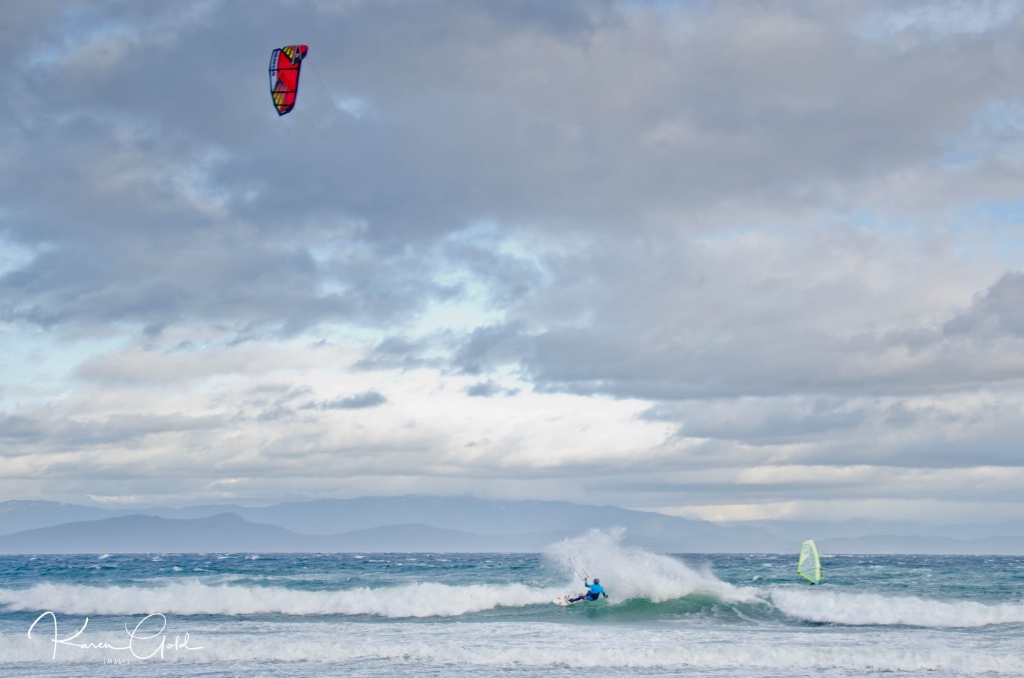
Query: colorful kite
[{"x": 284, "y": 76}]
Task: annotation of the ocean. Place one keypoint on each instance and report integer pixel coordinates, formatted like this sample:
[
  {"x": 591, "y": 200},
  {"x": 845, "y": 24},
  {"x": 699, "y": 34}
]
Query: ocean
[{"x": 394, "y": 614}]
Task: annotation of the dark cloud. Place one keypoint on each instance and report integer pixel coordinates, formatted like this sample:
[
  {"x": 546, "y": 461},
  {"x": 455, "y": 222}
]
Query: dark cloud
[
  {"x": 489, "y": 389},
  {"x": 997, "y": 311},
  {"x": 490, "y": 347},
  {"x": 62, "y": 434},
  {"x": 400, "y": 353},
  {"x": 356, "y": 402}
]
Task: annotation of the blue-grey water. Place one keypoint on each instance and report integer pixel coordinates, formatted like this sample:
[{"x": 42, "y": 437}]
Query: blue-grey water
[{"x": 491, "y": 615}]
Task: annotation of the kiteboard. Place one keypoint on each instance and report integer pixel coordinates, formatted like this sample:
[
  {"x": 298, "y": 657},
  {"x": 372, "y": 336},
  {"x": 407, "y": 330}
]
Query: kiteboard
[{"x": 565, "y": 600}]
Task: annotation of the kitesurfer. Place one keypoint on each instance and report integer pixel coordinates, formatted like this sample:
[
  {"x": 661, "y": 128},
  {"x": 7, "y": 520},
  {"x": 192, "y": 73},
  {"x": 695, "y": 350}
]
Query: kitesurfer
[{"x": 594, "y": 591}]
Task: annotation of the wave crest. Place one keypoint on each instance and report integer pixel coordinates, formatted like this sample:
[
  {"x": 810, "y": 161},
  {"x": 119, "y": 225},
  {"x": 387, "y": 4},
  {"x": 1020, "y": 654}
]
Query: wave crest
[
  {"x": 868, "y": 609},
  {"x": 195, "y": 598}
]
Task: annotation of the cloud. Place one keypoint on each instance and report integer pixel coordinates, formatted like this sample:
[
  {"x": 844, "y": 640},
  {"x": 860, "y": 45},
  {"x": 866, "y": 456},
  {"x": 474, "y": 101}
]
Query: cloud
[
  {"x": 997, "y": 311},
  {"x": 356, "y": 402},
  {"x": 583, "y": 118},
  {"x": 489, "y": 389},
  {"x": 690, "y": 239},
  {"x": 754, "y": 315}
]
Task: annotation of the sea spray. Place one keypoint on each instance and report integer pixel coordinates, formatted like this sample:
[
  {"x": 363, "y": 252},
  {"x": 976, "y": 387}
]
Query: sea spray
[{"x": 629, "y": 572}]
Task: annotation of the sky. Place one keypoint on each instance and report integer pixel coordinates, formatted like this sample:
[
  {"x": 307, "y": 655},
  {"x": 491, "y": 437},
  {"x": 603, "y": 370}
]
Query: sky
[{"x": 724, "y": 260}]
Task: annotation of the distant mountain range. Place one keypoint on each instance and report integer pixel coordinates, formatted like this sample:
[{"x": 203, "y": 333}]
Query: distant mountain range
[{"x": 436, "y": 524}]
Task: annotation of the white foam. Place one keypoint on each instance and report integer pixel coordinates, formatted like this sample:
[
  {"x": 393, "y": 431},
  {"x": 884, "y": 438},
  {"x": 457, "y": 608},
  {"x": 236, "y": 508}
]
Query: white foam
[
  {"x": 862, "y": 609},
  {"x": 531, "y": 645},
  {"x": 192, "y": 597},
  {"x": 611, "y": 649},
  {"x": 631, "y": 572}
]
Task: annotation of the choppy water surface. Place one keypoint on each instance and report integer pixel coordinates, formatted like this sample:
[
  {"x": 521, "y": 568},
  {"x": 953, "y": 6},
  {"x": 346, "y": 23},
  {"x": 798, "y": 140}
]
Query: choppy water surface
[{"x": 490, "y": 614}]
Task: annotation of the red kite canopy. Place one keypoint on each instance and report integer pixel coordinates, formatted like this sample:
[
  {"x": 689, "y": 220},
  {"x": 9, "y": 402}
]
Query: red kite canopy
[{"x": 284, "y": 76}]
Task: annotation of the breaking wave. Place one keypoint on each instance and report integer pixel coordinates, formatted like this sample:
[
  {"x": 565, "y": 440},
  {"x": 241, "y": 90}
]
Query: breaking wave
[
  {"x": 867, "y": 609},
  {"x": 196, "y": 598}
]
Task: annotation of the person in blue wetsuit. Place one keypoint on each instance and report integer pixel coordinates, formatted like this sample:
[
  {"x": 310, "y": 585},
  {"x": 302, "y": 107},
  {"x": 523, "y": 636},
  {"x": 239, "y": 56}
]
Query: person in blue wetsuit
[{"x": 594, "y": 591}]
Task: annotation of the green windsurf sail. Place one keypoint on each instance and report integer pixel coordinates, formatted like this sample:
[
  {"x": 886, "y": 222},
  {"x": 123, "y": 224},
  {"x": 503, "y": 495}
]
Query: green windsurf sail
[{"x": 809, "y": 566}]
